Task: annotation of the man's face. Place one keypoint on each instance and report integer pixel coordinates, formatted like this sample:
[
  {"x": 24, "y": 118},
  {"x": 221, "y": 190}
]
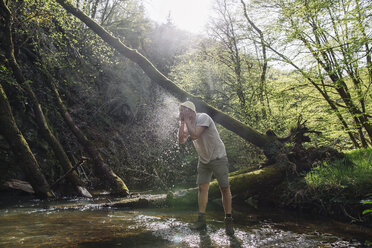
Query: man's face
[{"x": 185, "y": 113}]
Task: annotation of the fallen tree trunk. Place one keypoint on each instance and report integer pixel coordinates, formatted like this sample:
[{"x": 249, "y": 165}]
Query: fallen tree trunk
[
  {"x": 101, "y": 169},
  {"x": 248, "y": 183},
  {"x": 269, "y": 144}
]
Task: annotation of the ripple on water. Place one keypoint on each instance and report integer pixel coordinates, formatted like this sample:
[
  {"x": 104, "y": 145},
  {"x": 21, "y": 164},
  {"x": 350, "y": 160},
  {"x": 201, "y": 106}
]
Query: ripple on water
[
  {"x": 179, "y": 234},
  {"x": 66, "y": 226}
]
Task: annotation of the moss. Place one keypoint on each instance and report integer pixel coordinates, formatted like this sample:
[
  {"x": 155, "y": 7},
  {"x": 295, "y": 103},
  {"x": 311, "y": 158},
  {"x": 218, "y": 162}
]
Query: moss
[
  {"x": 120, "y": 187},
  {"x": 251, "y": 182},
  {"x": 183, "y": 198}
]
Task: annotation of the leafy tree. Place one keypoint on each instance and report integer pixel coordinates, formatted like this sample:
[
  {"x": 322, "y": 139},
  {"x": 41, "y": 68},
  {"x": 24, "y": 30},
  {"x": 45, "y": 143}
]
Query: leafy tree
[{"x": 337, "y": 58}]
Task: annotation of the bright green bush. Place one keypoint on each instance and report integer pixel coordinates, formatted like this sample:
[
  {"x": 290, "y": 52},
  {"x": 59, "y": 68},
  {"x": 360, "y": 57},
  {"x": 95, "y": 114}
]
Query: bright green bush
[{"x": 354, "y": 171}]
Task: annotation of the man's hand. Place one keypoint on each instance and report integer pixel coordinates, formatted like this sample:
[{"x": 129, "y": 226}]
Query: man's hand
[
  {"x": 183, "y": 133},
  {"x": 194, "y": 131},
  {"x": 189, "y": 116},
  {"x": 181, "y": 116}
]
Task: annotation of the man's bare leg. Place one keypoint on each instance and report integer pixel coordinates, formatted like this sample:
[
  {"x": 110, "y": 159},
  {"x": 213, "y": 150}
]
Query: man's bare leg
[
  {"x": 203, "y": 197},
  {"x": 227, "y": 205},
  {"x": 201, "y": 223},
  {"x": 226, "y": 199}
]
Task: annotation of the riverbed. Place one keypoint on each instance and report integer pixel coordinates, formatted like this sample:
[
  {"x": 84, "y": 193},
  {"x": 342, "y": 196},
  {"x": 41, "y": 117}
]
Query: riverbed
[{"x": 87, "y": 223}]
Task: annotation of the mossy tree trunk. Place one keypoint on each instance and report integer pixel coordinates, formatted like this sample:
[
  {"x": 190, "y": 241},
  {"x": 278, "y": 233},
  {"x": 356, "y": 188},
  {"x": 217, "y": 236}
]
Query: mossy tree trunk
[
  {"x": 113, "y": 182},
  {"x": 242, "y": 185},
  {"x": 21, "y": 150},
  {"x": 250, "y": 183},
  {"x": 269, "y": 144},
  {"x": 101, "y": 169},
  {"x": 40, "y": 118}
]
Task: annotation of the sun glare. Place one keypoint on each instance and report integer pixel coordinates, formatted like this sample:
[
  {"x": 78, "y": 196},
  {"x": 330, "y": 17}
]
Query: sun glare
[{"x": 190, "y": 15}]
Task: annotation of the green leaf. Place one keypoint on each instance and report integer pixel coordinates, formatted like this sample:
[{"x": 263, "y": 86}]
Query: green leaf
[{"x": 367, "y": 211}]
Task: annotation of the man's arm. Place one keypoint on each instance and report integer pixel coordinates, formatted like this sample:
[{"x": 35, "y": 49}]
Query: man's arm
[
  {"x": 182, "y": 133},
  {"x": 194, "y": 131}
]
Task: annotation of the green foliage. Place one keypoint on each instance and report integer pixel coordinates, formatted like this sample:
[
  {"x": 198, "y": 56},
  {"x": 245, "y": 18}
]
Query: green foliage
[
  {"x": 225, "y": 68},
  {"x": 201, "y": 73},
  {"x": 324, "y": 29},
  {"x": 353, "y": 172},
  {"x": 240, "y": 153},
  {"x": 367, "y": 203},
  {"x": 367, "y": 210}
]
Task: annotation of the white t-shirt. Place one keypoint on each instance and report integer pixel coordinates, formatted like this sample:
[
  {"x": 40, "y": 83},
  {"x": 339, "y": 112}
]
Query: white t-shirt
[{"x": 209, "y": 145}]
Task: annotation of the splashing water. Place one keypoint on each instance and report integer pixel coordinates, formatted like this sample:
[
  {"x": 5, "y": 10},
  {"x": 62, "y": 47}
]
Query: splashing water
[{"x": 165, "y": 119}]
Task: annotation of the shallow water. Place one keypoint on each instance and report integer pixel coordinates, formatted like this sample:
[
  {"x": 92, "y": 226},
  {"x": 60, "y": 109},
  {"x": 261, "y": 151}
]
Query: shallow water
[{"x": 84, "y": 223}]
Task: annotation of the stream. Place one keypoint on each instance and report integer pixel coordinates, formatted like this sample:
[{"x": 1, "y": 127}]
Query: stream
[{"x": 85, "y": 223}]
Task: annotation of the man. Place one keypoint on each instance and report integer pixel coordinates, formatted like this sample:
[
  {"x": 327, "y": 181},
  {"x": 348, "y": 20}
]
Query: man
[{"x": 212, "y": 160}]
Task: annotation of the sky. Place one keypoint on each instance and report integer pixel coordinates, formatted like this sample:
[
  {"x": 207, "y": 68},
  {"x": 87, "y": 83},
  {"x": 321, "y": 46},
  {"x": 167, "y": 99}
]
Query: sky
[{"x": 189, "y": 15}]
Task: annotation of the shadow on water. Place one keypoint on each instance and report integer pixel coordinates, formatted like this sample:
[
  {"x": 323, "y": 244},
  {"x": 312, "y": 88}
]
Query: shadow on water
[
  {"x": 206, "y": 241},
  {"x": 145, "y": 239},
  {"x": 84, "y": 223}
]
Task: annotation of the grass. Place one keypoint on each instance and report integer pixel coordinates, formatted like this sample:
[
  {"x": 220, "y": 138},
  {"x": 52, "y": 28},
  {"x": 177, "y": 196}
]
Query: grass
[{"x": 354, "y": 172}]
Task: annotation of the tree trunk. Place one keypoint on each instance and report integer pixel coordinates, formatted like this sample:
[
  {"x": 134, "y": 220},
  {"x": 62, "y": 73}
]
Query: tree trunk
[
  {"x": 21, "y": 150},
  {"x": 242, "y": 185},
  {"x": 249, "y": 183},
  {"x": 269, "y": 144},
  {"x": 102, "y": 170},
  {"x": 40, "y": 118},
  {"x": 94, "y": 9}
]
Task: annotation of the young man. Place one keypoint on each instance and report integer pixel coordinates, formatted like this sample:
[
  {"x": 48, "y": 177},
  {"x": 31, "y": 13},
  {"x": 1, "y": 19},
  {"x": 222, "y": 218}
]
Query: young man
[{"x": 212, "y": 160}]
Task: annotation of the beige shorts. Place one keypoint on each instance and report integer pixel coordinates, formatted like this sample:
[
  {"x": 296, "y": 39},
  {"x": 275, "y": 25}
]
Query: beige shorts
[{"x": 218, "y": 167}]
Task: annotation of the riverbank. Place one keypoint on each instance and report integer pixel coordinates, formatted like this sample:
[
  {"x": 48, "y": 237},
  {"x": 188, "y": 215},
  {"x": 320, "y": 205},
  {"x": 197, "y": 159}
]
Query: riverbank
[{"x": 335, "y": 189}]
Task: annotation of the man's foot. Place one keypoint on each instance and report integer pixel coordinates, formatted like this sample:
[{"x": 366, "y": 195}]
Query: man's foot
[
  {"x": 229, "y": 226},
  {"x": 200, "y": 224}
]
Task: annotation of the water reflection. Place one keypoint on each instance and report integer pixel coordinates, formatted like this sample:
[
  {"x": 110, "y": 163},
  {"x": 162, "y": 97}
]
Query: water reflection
[
  {"x": 206, "y": 241},
  {"x": 234, "y": 242},
  {"x": 83, "y": 224}
]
